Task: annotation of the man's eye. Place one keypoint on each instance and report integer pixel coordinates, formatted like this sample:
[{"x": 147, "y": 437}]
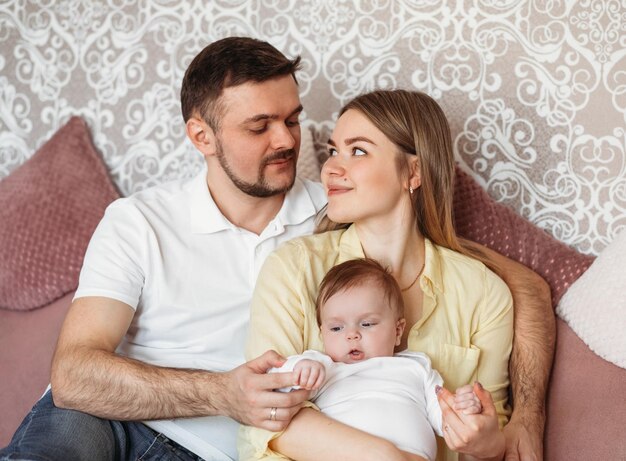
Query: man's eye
[
  {"x": 294, "y": 122},
  {"x": 358, "y": 152},
  {"x": 259, "y": 130}
]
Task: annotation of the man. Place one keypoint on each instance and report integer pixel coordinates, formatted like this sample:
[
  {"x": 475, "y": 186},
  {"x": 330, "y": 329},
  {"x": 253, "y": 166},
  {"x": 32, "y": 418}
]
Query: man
[{"x": 158, "y": 324}]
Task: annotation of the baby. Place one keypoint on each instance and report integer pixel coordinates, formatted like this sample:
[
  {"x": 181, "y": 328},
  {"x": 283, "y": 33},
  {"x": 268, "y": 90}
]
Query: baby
[{"x": 360, "y": 382}]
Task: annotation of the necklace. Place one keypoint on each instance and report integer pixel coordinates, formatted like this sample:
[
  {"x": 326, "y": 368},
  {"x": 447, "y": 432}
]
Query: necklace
[{"x": 415, "y": 279}]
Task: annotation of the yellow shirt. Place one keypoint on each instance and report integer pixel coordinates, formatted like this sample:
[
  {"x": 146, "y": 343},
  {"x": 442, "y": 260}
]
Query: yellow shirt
[{"x": 466, "y": 326}]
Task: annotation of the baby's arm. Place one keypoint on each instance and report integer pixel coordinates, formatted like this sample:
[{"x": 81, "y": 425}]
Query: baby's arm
[
  {"x": 309, "y": 374},
  {"x": 312, "y": 360},
  {"x": 466, "y": 400}
]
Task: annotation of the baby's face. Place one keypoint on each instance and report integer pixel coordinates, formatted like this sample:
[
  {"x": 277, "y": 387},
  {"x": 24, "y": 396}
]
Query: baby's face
[{"x": 358, "y": 324}]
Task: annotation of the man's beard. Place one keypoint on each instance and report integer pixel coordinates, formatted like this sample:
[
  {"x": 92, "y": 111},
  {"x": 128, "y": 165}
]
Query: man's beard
[{"x": 260, "y": 188}]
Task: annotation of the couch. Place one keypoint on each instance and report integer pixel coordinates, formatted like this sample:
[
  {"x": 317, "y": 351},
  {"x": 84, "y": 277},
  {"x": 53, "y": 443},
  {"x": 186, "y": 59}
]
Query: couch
[{"x": 51, "y": 204}]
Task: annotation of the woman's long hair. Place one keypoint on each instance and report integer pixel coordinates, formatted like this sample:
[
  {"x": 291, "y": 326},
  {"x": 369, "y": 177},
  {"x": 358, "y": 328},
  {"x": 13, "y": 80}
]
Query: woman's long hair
[{"x": 415, "y": 123}]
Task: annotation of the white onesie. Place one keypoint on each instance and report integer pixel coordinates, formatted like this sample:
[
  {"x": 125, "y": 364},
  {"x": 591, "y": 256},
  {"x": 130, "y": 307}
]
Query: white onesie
[{"x": 390, "y": 397}]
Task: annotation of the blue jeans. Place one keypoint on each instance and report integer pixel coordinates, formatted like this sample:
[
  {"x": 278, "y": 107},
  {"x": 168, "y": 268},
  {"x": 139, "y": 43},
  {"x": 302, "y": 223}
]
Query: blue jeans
[{"x": 49, "y": 433}]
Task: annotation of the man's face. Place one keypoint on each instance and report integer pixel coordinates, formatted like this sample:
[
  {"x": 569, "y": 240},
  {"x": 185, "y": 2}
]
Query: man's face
[
  {"x": 258, "y": 141},
  {"x": 358, "y": 324}
]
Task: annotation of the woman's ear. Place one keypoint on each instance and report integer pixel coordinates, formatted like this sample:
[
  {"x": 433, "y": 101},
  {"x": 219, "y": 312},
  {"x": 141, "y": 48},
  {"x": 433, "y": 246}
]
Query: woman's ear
[
  {"x": 201, "y": 135},
  {"x": 415, "y": 179},
  {"x": 400, "y": 324}
]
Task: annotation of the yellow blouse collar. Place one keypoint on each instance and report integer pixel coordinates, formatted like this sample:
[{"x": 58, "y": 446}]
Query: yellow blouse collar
[
  {"x": 432, "y": 269},
  {"x": 350, "y": 248}
]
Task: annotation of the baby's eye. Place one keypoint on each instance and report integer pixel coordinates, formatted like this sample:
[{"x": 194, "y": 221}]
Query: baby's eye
[
  {"x": 357, "y": 151},
  {"x": 335, "y": 329},
  {"x": 367, "y": 324}
]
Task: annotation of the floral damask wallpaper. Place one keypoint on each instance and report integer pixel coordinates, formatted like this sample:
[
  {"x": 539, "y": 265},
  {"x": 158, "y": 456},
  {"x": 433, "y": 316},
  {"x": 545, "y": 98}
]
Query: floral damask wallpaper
[{"x": 535, "y": 90}]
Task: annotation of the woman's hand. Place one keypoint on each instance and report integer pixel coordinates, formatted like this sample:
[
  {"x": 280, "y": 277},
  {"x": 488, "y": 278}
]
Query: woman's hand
[{"x": 476, "y": 435}]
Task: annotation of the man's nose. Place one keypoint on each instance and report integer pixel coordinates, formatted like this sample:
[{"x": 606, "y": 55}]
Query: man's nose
[{"x": 282, "y": 138}]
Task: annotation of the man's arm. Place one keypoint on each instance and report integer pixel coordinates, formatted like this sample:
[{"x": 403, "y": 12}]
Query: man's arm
[
  {"x": 531, "y": 359},
  {"x": 88, "y": 375}
]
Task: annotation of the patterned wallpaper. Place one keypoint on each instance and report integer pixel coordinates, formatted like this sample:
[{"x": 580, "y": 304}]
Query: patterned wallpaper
[{"x": 535, "y": 90}]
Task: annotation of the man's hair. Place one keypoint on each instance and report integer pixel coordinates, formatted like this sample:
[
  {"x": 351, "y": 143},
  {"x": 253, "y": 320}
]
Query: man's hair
[
  {"x": 356, "y": 273},
  {"x": 229, "y": 62}
]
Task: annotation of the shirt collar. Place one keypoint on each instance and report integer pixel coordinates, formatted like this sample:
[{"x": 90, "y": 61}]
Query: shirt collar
[
  {"x": 350, "y": 245},
  {"x": 298, "y": 205},
  {"x": 350, "y": 248},
  {"x": 206, "y": 217},
  {"x": 432, "y": 267}
]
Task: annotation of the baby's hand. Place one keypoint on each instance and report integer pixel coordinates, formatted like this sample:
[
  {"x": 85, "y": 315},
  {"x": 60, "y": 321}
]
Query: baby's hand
[
  {"x": 467, "y": 401},
  {"x": 309, "y": 374}
]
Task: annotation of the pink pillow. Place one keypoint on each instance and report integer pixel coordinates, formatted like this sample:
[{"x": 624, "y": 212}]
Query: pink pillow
[
  {"x": 28, "y": 340},
  {"x": 49, "y": 207},
  {"x": 586, "y": 409},
  {"x": 481, "y": 219}
]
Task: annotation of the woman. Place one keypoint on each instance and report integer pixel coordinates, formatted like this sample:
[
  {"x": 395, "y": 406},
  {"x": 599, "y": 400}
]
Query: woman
[{"x": 390, "y": 173}]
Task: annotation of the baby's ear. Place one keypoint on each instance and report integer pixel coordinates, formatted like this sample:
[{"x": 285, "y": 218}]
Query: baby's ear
[{"x": 400, "y": 325}]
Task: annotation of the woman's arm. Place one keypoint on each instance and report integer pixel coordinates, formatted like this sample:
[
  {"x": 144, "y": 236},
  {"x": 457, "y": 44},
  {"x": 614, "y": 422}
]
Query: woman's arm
[
  {"x": 531, "y": 359},
  {"x": 491, "y": 328},
  {"x": 312, "y": 436}
]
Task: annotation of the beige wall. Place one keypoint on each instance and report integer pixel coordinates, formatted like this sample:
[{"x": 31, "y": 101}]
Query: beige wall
[{"x": 535, "y": 90}]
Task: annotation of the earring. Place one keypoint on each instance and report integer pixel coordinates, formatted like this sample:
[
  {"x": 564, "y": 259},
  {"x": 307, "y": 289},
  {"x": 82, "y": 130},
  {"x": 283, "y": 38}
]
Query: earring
[{"x": 411, "y": 190}]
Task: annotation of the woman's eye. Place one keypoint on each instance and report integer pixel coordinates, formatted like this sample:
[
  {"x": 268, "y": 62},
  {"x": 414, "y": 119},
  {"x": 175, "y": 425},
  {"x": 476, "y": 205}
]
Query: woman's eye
[
  {"x": 332, "y": 151},
  {"x": 358, "y": 152}
]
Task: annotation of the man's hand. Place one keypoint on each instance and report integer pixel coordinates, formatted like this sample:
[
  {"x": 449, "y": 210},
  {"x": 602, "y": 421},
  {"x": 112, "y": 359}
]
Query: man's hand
[
  {"x": 249, "y": 397},
  {"x": 309, "y": 374},
  {"x": 523, "y": 442}
]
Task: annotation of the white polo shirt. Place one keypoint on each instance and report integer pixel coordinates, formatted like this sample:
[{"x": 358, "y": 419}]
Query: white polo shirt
[{"x": 189, "y": 273}]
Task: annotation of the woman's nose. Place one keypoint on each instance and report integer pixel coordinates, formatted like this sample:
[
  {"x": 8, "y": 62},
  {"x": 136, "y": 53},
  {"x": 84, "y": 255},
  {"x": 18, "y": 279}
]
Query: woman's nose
[{"x": 333, "y": 167}]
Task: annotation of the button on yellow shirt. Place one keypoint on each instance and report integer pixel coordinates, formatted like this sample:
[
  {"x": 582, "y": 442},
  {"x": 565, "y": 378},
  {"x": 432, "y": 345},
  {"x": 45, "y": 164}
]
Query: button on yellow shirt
[{"x": 466, "y": 326}]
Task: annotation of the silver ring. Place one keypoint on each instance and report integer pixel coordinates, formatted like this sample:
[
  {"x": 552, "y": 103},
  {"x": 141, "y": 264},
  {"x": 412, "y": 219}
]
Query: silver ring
[{"x": 273, "y": 414}]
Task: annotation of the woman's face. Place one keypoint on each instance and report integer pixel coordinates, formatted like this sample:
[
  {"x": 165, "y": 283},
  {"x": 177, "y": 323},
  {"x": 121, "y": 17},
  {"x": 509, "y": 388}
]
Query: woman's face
[{"x": 361, "y": 175}]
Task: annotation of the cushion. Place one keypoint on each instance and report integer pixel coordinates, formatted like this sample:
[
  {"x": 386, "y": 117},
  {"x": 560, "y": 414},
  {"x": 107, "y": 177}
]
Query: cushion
[
  {"x": 28, "y": 340},
  {"x": 483, "y": 220},
  {"x": 595, "y": 305},
  {"x": 308, "y": 166},
  {"x": 586, "y": 409},
  {"x": 49, "y": 207}
]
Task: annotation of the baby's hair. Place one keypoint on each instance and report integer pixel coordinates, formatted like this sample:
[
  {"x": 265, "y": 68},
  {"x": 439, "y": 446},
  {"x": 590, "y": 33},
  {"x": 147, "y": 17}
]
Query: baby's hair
[{"x": 358, "y": 272}]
